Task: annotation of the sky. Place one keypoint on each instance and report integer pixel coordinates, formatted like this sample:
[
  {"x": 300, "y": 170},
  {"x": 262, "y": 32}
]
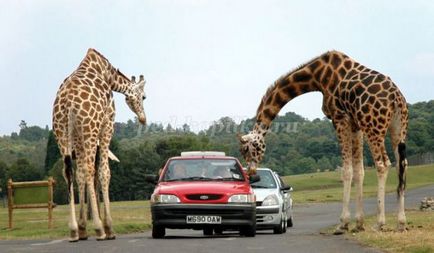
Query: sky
[{"x": 204, "y": 59}]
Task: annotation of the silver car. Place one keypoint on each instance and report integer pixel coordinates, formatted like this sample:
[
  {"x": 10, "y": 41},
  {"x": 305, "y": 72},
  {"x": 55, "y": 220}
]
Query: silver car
[{"x": 273, "y": 202}]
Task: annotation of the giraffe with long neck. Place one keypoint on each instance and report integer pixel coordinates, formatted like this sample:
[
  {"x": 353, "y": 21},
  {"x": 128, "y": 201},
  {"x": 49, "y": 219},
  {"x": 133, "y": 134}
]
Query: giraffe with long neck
[
  {"x": 360, "y": 103},
  {"x": 83, "y": 118}
]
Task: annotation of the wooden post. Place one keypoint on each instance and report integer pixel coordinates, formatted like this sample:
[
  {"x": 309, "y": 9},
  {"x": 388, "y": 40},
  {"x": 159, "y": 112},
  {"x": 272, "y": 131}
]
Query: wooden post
[
  {"x": 10, "y": 202},
  {"x": 50, "y": 202}
]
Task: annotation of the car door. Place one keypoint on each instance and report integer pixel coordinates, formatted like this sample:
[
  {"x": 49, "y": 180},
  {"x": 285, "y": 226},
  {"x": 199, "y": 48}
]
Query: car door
[{"x": 285, "y": 195}]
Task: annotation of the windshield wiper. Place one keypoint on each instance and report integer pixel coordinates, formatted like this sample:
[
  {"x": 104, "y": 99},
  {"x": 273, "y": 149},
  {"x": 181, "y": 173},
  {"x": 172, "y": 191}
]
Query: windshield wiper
[{"x": 260, "y": 186}]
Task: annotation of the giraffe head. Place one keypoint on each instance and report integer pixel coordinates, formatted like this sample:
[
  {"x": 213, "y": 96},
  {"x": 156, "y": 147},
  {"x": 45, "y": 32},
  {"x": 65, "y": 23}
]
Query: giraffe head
[
  {"x": 135, "y": 96},
  {"x": 252, "y": 148}
]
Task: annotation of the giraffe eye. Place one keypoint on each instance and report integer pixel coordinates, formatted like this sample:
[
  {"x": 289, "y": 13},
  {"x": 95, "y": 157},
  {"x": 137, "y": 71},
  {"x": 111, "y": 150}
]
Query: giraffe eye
[{"x": 144, "y": 97}]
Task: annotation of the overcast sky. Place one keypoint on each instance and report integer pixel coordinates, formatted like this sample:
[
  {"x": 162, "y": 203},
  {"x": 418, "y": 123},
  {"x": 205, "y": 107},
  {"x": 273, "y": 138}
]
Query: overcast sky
[{"x": 205, "y": 59}]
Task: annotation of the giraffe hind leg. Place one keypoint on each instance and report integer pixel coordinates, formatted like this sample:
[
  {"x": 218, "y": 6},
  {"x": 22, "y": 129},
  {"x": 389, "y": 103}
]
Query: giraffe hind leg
[{"x": 68, "y": 175}]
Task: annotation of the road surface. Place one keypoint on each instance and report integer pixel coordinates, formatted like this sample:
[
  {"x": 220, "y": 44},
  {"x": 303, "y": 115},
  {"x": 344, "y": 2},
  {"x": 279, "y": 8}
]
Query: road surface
[{"x": 305, "y": 236}]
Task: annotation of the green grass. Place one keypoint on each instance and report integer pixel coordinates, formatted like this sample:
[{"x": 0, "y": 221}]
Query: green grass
[
  {"x": 128, "y": 217},
  {"x": 327, "y": 186},
  {"x": 417, "y": 239}
]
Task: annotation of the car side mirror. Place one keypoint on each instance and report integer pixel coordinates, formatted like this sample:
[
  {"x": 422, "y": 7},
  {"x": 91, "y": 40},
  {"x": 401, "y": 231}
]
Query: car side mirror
[
  {"x": 152, "y": 178},
  {"x": 254, "y": 178},
  {"x": 286, "y": 188}
]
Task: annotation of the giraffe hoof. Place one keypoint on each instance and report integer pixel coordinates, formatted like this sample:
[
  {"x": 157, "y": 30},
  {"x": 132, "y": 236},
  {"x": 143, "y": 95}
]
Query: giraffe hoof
[
  {"x": 341, "y": 229},
  {"x": 401, "y": 228},
  {"x": 73, "y": 236},
  {"x": 358, "y": 229},
  {"x": 100, "y": 235},
  {"x": 110, "y": 237},
  {"x": 82, "y": 234}
]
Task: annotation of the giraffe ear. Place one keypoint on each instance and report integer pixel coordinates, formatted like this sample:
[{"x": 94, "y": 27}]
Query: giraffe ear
[{"x": 133, "y": 79}]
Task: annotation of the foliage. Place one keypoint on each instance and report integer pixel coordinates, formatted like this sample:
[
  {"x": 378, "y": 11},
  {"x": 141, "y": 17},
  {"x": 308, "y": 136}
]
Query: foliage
[{"x": 295, "y": 145}]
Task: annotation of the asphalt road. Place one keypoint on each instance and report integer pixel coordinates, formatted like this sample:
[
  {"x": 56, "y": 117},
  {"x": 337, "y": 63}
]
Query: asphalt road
[{"x": 303, "y": 237}]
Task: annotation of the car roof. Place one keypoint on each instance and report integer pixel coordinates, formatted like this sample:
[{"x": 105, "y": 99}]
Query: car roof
[{"x": 203, "y": 155}]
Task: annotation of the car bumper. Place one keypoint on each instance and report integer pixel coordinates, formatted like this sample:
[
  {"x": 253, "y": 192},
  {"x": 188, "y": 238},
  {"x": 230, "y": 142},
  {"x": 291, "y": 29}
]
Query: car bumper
[
  {"x": 268, "y": 216},
  {"x": 175, "y": 215}
]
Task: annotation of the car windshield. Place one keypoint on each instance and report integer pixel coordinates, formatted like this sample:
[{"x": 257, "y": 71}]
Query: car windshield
[
  {"x": 203, "y": 170},
  {"x": 267, "y": 180}
]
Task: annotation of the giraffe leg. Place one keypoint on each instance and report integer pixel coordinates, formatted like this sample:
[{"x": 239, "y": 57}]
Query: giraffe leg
[
  {"x": 89, "y": 179},
  {"x": 105, "y": 179},
  {"x": 343, "y": 130},
  {"x": 359, "y": 175},
  {"x": 397, "y": 136},
  {"x": 104, "y": 171},
  {"x": 378, "y": 150},
  {"x": 68, "y": 175},
  {"x": 82, "y": 233}
]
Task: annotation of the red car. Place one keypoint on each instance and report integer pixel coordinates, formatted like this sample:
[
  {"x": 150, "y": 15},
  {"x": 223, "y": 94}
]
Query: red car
[{"x": 203, "y": 190}]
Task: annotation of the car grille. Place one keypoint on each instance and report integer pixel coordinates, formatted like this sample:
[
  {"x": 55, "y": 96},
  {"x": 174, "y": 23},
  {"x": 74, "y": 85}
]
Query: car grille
[
  {"x": 204, "y": 197},
  {"x": 198, "y": 211}
]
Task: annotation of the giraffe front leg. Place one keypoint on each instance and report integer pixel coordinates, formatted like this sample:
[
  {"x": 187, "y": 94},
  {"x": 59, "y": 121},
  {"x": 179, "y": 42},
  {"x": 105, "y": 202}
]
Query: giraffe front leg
[
  {"x": 105, "y": 181},
  {"x": 345, "y": 139},
  {"x": 99, "y": 230},
  {"x": 359, "y": 175}
]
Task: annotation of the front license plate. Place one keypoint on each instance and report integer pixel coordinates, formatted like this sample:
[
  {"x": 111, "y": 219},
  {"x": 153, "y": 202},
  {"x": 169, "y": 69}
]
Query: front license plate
[{"x": 203, "y": 219}]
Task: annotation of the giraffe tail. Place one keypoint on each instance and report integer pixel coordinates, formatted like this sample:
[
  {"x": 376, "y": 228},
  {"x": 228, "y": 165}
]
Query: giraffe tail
[
  {"x": 69, "y": 156},
  {"x": 402, "y": 167}
]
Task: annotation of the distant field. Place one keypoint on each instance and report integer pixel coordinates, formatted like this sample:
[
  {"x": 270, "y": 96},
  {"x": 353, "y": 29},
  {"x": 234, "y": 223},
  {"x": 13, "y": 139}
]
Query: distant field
[
  {"x": 327, "y": 186},
  {"x": 134, "y": 216}
]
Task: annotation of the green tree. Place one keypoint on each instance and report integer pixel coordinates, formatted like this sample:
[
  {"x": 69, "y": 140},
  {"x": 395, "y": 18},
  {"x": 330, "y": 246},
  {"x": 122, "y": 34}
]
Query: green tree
[
  {"x": 52, "y": 154},
  {"x": 23, "y": 170}
]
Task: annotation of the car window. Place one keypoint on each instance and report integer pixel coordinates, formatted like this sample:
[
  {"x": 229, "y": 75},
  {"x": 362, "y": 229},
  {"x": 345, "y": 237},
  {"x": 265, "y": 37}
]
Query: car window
[
  {"x": 203, "y": 169},
  {"x": 267, "y": 180}
]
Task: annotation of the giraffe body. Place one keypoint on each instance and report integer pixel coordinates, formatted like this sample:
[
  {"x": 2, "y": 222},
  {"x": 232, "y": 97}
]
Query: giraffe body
[
  {"x": 361, "y": 103},
  {"x": 83, "y": 117}
]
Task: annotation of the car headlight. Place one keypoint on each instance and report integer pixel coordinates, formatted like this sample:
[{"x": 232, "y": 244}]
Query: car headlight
[
  {"x": 164, "y": 199},
  {"x": 270, "y": 200},
  {"x": 242, "y": 198}
]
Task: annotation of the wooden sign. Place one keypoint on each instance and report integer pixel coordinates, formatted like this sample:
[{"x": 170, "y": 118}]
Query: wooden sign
[{"x": 34, "y": 194}]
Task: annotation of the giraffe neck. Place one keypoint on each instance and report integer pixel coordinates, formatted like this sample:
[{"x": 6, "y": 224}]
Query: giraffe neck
[
  {"x": 120, "y": 83},
  {"x": 96, "y": 64},
  {"x": 319, "y": 74}
]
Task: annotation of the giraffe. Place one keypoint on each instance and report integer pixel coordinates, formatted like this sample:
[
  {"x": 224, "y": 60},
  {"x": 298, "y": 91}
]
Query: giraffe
[
  {"x": 83, "y": 118},
  {"x": 360, "y": 103}
]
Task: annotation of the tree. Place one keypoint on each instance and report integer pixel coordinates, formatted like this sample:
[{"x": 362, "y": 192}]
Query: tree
[
  {"x": 52, "y": 154},
  {"x": 23, "y": 170}
]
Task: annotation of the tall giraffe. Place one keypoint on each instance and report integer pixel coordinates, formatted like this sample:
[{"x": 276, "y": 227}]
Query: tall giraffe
[
  {"x": 360, "y": 102},
  {"x": 83, "y": 118}
]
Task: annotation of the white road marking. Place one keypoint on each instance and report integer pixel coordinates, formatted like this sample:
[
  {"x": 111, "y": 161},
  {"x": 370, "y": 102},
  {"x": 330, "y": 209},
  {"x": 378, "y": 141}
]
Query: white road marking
[
  {"x": 47, "y": 243},
  {"x": 133, "y": 241}
]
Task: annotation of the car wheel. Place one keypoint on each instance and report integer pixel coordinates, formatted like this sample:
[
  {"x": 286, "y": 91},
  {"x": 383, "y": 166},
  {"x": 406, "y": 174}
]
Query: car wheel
[
  {"x": 158, "y": 231},
  {"x": 279, "y": 228},
  {"x": 218, "y": 231},
  {"x": 249, "y": 231},
  {"x": 284, "y": 224},
  {"x": 289, "y": 223},
  {"x": 207, "y": 231}
]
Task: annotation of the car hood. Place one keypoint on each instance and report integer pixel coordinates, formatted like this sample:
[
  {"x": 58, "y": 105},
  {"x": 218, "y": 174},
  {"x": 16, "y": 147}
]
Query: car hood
[
  {"x": 203, "y": 187},
  {"x": 262, "y": 193}
]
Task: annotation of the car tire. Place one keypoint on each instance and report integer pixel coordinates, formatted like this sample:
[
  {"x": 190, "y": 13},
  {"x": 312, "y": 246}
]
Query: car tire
[
  {"x": 158, "y": 231},
  {"x": 218, "y": 231},
  {"x": 285, "y": 223},
  {"x": 249, "y": 231},
  {"x": 289, "y": 223},
  {"x": 279, "y": 229},
  {"x": 208, "y": 231}
]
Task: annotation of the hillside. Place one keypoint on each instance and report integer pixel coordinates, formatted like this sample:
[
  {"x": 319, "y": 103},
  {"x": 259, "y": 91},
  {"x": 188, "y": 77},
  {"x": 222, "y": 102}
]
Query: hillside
[{"x": 295, "y": 145}]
